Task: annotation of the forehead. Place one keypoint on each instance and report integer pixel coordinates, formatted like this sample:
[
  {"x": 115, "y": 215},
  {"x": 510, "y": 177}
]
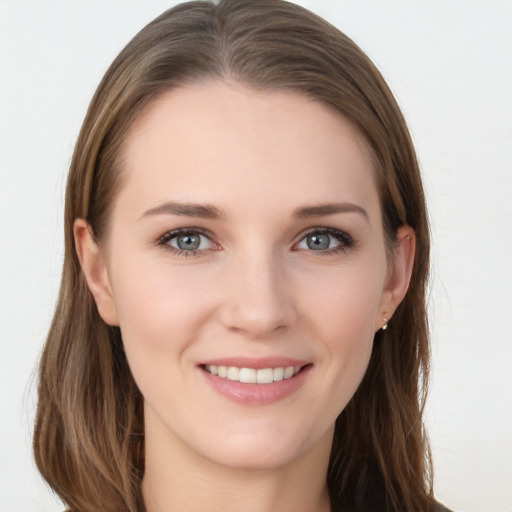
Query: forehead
[{"x": 225, "y": 142}]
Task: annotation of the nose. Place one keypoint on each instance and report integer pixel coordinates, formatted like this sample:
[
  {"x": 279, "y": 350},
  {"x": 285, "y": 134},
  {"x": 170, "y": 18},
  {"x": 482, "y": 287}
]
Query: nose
[{"x": 259, "y": 298}]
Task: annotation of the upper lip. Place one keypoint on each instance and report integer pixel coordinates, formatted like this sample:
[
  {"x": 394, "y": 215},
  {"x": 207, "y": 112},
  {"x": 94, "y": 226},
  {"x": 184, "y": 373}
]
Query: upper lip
[{"x": 256, "y": 363}]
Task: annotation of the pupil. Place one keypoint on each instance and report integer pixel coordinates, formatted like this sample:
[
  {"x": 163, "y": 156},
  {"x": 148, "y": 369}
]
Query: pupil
[
  {"x": 188, "y": 242},
  {"x": 318, "y": 242}
]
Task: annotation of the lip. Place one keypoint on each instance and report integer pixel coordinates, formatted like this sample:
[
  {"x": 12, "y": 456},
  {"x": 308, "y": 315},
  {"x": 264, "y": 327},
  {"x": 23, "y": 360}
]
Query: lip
[
  {"x": 256, "y": 394},
  {"x": 256, "y": 363}
]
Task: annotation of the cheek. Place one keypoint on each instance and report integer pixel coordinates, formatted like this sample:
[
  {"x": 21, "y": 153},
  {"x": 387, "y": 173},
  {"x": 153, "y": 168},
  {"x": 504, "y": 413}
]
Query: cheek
[
  {"x": 152, "y": 293},
  {"x": 346, "y": 300},
  {"x": 161, "y": 311},
  {"x": 159, "y": 308},
  {"x": 341, "y": 311}
]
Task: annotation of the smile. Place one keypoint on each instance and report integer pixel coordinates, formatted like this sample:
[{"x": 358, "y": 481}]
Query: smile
[
  {"x": 253, "y": 375},
  {"x": 256, "y": 381}
]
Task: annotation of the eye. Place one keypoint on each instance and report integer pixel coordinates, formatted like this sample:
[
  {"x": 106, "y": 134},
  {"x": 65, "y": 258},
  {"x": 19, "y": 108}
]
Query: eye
[
  {"x": 186, "y": 242},
  {"x": 324, "y": 240}
]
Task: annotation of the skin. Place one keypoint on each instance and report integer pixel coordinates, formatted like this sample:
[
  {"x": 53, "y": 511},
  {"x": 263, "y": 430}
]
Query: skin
[{"x": 254, "y": 289}]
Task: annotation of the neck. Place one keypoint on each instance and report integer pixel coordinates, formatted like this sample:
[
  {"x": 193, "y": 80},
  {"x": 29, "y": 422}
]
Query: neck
[{"x": 177, "y": 479}]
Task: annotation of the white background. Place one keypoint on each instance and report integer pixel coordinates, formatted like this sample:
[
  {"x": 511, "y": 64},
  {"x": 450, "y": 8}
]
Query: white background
[{"x": 450, "y": 66}]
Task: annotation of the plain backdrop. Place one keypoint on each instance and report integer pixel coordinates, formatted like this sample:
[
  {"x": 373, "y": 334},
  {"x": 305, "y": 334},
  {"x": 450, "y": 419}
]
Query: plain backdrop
[{"x": 449, "y": 64}]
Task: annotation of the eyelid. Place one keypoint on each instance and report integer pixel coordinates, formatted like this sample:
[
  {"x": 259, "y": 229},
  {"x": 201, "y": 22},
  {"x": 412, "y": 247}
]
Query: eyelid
[
  {"x": 174, "y": 233},
  {"x": 346, "y": 241}
]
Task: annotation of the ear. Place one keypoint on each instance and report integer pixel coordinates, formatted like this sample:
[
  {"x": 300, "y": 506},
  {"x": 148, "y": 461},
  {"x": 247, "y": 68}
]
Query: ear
[
  {"x": 94, "y": 268},
  {"x": 399, "y": 275}
]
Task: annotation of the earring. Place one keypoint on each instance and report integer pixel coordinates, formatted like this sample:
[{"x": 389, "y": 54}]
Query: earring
[{"x": 385, "y": 326}]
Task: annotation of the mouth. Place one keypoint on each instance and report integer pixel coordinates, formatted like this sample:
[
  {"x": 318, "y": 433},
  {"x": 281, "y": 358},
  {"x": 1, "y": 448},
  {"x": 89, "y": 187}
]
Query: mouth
[
  {"x": 253, "y": 375},
  {"x": 256, "y": 381}
]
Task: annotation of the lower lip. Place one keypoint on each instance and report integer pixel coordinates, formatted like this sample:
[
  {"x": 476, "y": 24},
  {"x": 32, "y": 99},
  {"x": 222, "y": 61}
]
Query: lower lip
[{"x": 256, "y": 394}]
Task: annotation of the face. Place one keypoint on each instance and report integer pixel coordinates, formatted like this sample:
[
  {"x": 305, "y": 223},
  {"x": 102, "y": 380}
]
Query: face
[{"x": 245, "y": 265}]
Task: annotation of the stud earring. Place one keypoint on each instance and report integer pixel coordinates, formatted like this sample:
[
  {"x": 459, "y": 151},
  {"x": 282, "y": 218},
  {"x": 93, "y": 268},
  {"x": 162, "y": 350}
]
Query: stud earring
[{"x": 385, "y": 326}]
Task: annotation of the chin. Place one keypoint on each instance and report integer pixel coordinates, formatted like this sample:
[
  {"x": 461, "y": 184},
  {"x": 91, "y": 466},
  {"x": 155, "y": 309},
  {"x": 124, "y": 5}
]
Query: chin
[
  {"x": 257, "y": 450},
  {"x": 256, "y": 459}
]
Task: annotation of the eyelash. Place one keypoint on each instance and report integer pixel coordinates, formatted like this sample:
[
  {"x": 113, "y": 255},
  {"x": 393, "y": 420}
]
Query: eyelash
[
  {"x": 346, "y": 241},
  {"x": 170, "y": 235}
]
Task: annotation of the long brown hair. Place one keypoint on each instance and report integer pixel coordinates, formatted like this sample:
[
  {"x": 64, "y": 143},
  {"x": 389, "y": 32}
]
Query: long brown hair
[{"x": 89, "y": 432}]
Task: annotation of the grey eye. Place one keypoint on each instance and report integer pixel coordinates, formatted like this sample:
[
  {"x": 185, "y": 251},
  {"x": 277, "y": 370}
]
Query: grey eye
[
  {"x": 188, "y": 242},
  {"x": 318, "y": 241}
]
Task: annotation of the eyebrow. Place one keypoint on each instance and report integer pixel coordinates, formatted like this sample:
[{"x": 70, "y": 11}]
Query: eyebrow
[
  {"x": 328, "y": 209},
  {"x": 204, "y": 211}
]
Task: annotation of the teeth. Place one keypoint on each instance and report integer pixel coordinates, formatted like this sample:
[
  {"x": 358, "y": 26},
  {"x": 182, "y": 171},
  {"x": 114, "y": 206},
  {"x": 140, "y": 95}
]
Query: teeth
[
  {"x": 278, "y": 373},
  {"x": 253, "y": 376},
  {"x": 233, "y": 373},
  {"x": 288, "y": 372},
  {"x": 248, "y": 375},
  {"x": 265, "y": 376}
]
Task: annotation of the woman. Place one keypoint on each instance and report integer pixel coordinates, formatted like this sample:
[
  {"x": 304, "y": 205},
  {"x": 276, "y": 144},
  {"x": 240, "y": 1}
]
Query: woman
[{"x": 241, "y": 320}]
